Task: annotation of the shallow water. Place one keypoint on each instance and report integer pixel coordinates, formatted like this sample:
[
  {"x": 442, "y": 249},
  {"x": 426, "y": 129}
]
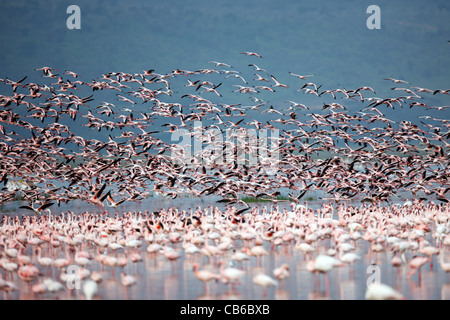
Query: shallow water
[{"x": 159, "y": 278}]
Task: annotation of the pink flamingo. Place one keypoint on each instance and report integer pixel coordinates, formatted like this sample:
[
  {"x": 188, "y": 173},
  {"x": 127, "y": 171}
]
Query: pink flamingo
[
  {"x": 415, "y": 264},
  {"x": 205, "y": 276}
]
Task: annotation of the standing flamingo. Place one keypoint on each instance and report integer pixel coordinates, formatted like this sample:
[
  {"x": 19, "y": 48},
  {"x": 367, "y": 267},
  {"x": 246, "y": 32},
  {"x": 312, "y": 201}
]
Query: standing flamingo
[
  {"x": 323, "y": 264},
  {"x": 264, "y": 281},
  {"x": 381, "y": 291},
  {"x": 90, "y": 288},
  {"x": 230, "y": 274},
  {"x": 205, "y": 276}
]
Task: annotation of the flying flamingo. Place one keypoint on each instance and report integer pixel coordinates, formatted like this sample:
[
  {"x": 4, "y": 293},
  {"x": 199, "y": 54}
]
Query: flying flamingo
[
  {"x": 278, "y": 84},
  {"x": 396, "y": 80},
  {"x": 300, "y": 76},
  {"x": 39, "y": 210},
  {"x": 97, "y": 198},
  {"x": 248, "y": 53}
]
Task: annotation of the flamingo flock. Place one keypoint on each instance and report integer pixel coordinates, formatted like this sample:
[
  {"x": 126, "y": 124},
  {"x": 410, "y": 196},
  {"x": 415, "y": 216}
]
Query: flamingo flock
[
  {"x": 58, "y": 143},
  {"x": 61, "y": 142}
]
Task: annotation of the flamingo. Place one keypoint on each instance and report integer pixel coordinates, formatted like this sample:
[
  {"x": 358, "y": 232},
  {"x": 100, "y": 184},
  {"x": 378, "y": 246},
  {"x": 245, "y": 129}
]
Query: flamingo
[
  {"x": 429, "y": 251},
  {"x": 258, "y": 251},
  {"x": 240, "y": 256},
  {"x": 282, "y": 272},
  {"x": 264, "y": 281},
  {"x": 7, "y": 286},
  {"x": 44, "y": 261},
  {"x": 172, "y": 255},
  {"x": 39, "y": 210},
  {"x": 396, "y": 80},
  {"x": 278, "y": 84},
  {"x": 82, "y": 259},
  {"x": 11, "y": 251},
  {"x": 23, "y": 259},
  {"x": 112, "y": 203},
  {"x": 210, "y": 250},
  {"x": 28, "y": 272},
  {"x": 127, "y": 280},
  {"x": 97, "y": 198},
  {"x": 349, "y": 258},
  {"x": 230, "y": 274},
  {"x": 323, "y": 264},
  {"x": 305, "y": 248},
  {"x": 205, "y": 275},
  {"x": 381, "y": 291},
  {"x": 39, "y": 288},
  {"x": 218, "y": 64},
  {"x": 249, "y": 53},
  {"x": 444, "y": 265},
  {"x": 96, "y": 276},
  {"x": 52, "y": 285},
  {"x": 396, "y": 261},
  {"x": 8, "y": 265},
  {"x": 300, "y": 76},
  {"x": 136, "y": 257},
  {"x": 415, "y": 264},
  {"x": 257, "y": 68},
  {"x": 62, "y": 262},
  {"x": 90, "y": 288}
]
